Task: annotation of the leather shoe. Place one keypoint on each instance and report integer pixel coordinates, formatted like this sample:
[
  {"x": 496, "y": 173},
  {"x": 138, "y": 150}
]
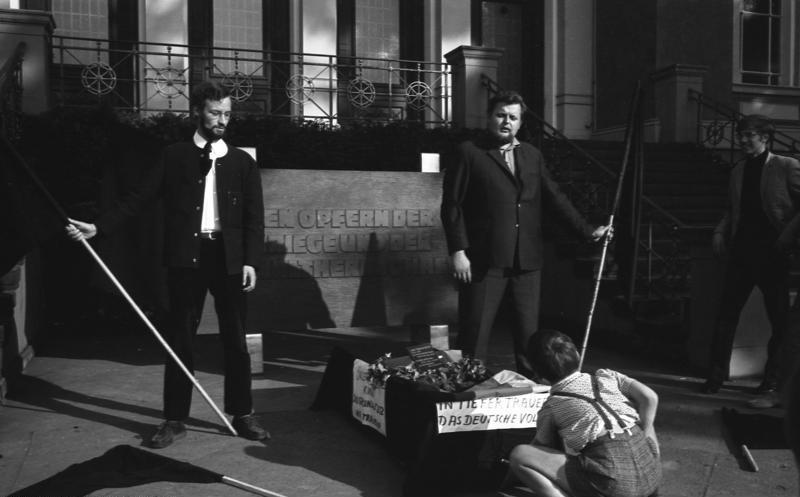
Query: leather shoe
[
  {"x": 767, "y": 386},
  {"x": 168, "y": 432},
  {"x": 765, "y": 401},
  {"x": 250, "y": 428}
]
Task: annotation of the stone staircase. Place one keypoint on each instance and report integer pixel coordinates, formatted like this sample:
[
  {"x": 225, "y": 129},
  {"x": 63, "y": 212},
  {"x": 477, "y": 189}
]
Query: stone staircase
[{"x": 685, "y": 194}]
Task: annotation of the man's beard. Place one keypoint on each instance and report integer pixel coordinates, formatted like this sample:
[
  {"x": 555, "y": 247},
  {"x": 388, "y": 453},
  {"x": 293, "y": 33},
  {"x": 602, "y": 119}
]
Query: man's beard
[{"x": 215, "y": 133}]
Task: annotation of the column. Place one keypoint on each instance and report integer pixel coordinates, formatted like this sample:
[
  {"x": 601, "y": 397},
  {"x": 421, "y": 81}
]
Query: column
[
  {"x": 569, "y": 67},
  {"x": 677, "y": 113},
  {"x": 470, "y": 95}
]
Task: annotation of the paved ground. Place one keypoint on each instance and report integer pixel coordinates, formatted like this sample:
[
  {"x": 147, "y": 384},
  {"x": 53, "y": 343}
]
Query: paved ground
[{"x": 86, "y": 392}]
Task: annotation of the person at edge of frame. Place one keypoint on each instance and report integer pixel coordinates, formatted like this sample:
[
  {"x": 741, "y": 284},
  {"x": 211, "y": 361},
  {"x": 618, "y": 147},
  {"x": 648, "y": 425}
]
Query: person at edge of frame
[
  {"x": 758, "y": 232},
  {"x": 595, "y": 433},
  {"x": 492, "y": 199},
  {"x": 214, "y": 229}
]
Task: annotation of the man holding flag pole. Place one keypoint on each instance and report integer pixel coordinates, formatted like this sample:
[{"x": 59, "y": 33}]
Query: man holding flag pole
[{"x": 214, "y": 229}]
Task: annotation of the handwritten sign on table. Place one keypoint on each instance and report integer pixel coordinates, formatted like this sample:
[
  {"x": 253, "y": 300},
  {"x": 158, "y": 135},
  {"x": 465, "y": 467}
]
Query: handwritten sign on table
[
  {"x": 490, "y": 413},
  {"x": 369, "y": 401}
]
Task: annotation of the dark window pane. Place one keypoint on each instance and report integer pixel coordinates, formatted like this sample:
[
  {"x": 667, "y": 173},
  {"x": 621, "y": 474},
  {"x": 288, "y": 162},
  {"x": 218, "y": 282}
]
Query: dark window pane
[
  {"x": 759, "y": 6},
  {"x": 776, "y": 7},
  {"x": 775, "y": 48},
  {"x": 756, "y": 79},
  {"x": 755, "y": 43}
]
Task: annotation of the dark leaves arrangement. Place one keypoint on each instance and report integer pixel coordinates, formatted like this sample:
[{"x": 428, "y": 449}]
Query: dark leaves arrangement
[{"x": 455, "y": 376}]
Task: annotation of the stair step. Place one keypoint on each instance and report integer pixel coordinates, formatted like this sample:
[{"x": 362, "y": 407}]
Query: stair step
[{"x": 708, "y": 189}]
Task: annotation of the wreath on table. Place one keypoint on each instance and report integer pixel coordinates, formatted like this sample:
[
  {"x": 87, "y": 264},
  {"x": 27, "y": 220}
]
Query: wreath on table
[{"x": 453, "y": 376}]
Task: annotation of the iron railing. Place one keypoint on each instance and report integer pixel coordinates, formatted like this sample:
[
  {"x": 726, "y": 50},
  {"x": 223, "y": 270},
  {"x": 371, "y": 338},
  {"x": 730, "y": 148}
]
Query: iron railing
[
  {"x": 11, "y": 94},
  {"x": 153, "y": 78},
  {"x": 717, "y": 131}
]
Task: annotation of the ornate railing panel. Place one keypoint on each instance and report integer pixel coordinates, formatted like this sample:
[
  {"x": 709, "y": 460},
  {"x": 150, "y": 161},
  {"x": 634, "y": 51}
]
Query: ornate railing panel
[
  {"x": 716, "y": 131},
  {"x": 11, "y": 94},
  {"x": 148, "y": 77}
]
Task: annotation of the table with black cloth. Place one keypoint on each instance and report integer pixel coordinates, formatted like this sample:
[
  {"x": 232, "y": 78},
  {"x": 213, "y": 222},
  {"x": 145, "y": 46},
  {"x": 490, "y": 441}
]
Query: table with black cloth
[{"x": 437, "y": 463}]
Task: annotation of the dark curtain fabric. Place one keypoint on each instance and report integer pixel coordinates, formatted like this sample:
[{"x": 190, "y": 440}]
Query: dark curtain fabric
[
  {"x": 121, "y": 467},
  {"x": 25, "y": 216}
]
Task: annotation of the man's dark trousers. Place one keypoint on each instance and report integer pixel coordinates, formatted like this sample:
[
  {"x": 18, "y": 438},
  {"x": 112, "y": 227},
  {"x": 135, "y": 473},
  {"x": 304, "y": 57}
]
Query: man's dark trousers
[
  {"x": 478, "y": 305},
  {"x": 768, "y": 269},
  {"x": 187, "y": 291}
]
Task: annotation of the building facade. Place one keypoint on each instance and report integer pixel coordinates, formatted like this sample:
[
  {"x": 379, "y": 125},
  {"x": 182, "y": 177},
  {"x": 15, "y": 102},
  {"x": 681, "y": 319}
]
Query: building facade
[{"x": 577, "y": 61}]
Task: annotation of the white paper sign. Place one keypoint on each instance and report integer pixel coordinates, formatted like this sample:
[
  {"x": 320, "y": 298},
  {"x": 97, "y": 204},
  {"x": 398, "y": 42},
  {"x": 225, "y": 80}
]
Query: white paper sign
[
  {"x": 369, "y": 402},
  {"x": 491, "y": 413}
]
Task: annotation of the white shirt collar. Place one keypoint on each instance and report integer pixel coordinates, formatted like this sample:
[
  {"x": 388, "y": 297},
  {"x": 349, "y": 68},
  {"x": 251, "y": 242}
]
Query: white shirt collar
[
  {"x": 218, "y": 148},
  {"x": 567, "y": 379},
  {"x": 510, "y": 145}
]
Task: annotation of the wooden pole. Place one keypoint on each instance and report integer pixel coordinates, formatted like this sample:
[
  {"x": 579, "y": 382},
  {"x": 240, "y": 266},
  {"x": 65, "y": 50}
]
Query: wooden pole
[
  {"x": 65, "y": 220},
  {"x": 250, "y": 488},
  {"x": 156, "y": 334},
  {"x": 628, "y": 140}
]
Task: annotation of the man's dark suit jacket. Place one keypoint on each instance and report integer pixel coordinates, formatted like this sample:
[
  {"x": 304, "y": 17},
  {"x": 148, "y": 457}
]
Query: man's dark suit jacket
[
  {"x": 492, "y": 214},
  {"x": 180, "y": 182}
]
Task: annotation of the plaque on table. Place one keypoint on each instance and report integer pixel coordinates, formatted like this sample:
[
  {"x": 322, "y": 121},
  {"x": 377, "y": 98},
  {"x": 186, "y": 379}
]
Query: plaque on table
[{"x": 426, "y": 357}]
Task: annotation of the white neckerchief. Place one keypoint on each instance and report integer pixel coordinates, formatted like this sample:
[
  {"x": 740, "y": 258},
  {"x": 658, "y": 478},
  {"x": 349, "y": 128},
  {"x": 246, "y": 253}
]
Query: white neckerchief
[
  {"x": 210, "y": 219},
  {"x": 507, "y": 151}
]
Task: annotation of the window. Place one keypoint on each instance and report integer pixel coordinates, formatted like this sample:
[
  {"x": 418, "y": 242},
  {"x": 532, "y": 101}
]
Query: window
[
  {"x": 238, "y": 25},
  {"x": 767, "y": 42},
  {"x": 377, "y": 36},
  {"x": 82, "y": 19},
  {"x": 502, "y": 27},
  {"x": 760, "y": 41}
]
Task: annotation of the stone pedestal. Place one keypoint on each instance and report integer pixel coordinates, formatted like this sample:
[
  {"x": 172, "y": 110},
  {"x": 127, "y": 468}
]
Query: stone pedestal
[
  {"x": 676, "y": 112},
  {"x": 470, "y": 94}
]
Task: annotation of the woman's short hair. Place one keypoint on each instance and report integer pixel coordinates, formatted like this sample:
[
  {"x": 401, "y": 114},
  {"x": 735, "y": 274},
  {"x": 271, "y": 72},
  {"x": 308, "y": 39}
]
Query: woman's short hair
[
  {"x": 553, "y": 355},
  {"x": 207, "y": 90},
  {"x": 759, "y": 123},
  {"x": 506, "y": 98}
]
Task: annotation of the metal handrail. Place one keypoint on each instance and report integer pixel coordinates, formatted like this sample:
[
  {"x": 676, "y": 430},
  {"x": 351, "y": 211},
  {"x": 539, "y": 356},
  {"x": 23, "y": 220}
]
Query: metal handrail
[
  {"x": 716, "y": 130},
  {"x": 328, "y": 88},
  {"x": 11, "y": 93},
  {"x": 655, "y": 211},
  {"x": 552, "y": 132}
]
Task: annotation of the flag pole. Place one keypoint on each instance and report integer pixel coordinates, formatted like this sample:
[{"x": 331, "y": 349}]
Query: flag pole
[
  {"x": 65, "y": 219},
  {"x": 607, "y": 238},
  {"x": 156, "y": 334},
  {"x": 250, "y": 488}
]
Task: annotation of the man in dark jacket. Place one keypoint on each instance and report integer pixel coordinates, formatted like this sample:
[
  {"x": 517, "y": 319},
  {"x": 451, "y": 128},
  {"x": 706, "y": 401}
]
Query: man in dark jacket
[
  {"x": 759, "y": 230},
  {"x": 492, "y": 216},
  {"x": 214, "y": 233}
]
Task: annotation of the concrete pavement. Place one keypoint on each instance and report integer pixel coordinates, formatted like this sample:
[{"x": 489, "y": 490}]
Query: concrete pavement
[{"x": 87, "y": 391}]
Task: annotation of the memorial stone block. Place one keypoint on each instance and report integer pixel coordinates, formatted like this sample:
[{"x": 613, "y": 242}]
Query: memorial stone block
[{"x": 352, "y": 249}]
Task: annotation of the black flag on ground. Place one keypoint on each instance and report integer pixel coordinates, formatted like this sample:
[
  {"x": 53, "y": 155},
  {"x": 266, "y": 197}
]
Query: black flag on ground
[
  {"x": 125, "y": 466},
  {"x": 120, "y": 467}
]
